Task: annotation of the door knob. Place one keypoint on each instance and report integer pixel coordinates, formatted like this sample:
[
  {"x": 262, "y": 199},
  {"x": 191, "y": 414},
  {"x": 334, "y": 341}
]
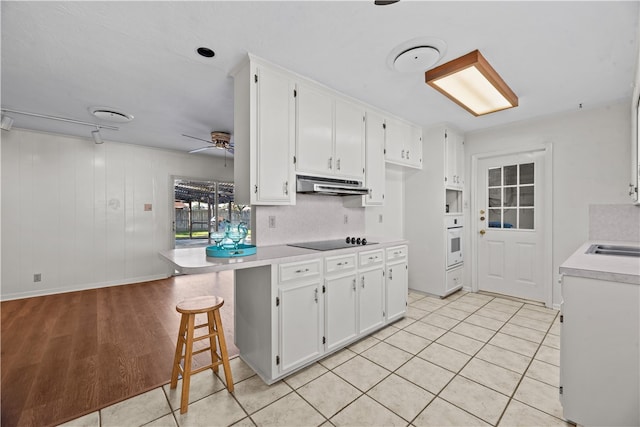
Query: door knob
[
  {"x": 482, "y": 232},
  {"x": 481, "y": 212},
  {"x": 481, "y": 218}
]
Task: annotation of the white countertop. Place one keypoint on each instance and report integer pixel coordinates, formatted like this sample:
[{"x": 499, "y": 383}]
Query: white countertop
[
  {"x": 611, "y": 268},
  {"x": 195, "y": 260}
]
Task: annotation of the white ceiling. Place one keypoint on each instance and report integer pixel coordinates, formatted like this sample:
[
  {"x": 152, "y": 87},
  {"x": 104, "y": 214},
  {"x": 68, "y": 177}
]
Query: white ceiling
[{"x": 61, "y": 58}]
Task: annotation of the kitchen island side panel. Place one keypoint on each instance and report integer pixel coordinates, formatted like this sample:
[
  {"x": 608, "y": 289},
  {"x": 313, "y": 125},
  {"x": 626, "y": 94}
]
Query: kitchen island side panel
[{"x": 254, "y": 320}]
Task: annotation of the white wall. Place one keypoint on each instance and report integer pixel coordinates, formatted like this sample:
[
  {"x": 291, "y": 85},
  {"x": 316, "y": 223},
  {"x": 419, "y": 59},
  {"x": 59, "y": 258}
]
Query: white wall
[
  {"x": 591, "y": 152},
  {"x": 74, "y": 212}
]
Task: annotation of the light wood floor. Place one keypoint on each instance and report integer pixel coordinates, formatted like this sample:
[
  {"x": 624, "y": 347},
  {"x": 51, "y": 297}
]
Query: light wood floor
[{"x": 69, "y": 354}]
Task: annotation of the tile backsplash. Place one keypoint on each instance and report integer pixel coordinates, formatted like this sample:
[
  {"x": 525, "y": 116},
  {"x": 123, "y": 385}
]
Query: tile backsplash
[
  {"x": 614, "y": 222},
  {"x": 314, "y": 217}
]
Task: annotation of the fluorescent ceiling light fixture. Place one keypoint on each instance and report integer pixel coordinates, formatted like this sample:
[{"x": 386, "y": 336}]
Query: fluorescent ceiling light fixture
[{"x": 472, "y": 83}]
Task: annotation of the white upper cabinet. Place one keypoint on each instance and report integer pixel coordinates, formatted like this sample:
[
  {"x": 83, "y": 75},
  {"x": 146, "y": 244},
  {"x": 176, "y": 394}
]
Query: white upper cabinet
[
  {"x": 314, "y": 142},
  {"x": 330, "y": 135},
  {"x": 264, "y": 134},
  {"x": 375, "y": 173},
  {"x": 349, "y": 139},
  {"x": 403, "y": 145},
  {"x": 454, "y": 158},
  {"x": 374, "y": 152}
]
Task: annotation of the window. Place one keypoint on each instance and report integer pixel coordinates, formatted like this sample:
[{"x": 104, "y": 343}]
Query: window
[
  {"x": 202, "y": 207},
  {"x": 510, "y": 194}
]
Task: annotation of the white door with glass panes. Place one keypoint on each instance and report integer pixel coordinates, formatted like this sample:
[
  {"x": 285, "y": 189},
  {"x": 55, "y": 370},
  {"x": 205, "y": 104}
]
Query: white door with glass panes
[{"x": 510, "y": 241}]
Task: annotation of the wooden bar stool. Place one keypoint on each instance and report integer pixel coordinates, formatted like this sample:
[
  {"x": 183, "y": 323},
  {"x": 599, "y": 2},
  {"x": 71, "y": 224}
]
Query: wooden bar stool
[{"x": 189, "y": 309}]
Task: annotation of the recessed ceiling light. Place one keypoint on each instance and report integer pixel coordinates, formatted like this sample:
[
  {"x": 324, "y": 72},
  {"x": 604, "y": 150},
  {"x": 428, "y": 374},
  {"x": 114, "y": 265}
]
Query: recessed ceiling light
[
  {"x": 206, "y": 52},
  {"x": 110, "y": 115}
]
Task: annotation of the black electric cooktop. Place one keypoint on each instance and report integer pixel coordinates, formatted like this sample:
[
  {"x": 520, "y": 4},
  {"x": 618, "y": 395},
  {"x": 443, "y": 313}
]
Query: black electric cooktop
[{"x": 328, "y": 245}]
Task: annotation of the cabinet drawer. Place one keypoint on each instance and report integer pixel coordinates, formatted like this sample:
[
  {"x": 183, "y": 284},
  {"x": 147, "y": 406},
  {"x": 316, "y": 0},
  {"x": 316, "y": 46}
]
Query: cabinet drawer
[
  {"x": 340, "y": 263},
  {"x": 454, "y": 279},
  {"x": 370, "y": 258},
  {"x": 396, "y": 252},
  {"x": 299, "y": 270}
]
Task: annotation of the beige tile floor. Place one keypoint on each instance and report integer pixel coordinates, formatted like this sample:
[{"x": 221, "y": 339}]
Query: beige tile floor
[{"x": 470, "y": 359}]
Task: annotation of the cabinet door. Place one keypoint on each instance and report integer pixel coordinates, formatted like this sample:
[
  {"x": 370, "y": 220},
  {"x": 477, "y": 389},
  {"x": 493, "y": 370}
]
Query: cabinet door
[
  {"x": 413, "y": 147},
  {"x": 349, "y": 140},
  {"x": 374, "y": 166},
  {"x": 300, "y": 324},
  {"x": 340, "y": 309},
  {"x": 371, "y": 300},
  {"x": 454, "y": 158},
  {"x": 396, "y": 135},
  {"x": 275, "y": 135},
  {"x": 314, "y": 143},
  {"x": 397, "y": 290}
]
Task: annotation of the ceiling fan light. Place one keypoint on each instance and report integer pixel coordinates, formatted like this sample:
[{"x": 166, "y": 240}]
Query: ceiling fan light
[{"x": 472, "y": 83}]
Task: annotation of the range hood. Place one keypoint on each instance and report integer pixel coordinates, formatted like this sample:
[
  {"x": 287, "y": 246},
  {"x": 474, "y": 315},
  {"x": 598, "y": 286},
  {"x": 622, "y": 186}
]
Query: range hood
[{"x": 330, "y": 186}]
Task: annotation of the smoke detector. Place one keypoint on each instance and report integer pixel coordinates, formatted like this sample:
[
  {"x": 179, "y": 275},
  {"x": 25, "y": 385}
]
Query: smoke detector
[
  {"x": 416, "y": 55},
  {"x": 110, "y": 115}
]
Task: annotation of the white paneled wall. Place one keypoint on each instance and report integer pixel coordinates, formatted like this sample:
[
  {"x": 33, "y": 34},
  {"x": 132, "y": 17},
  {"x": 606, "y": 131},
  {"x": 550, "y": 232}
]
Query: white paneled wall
[{"x": 73, "y": 211}]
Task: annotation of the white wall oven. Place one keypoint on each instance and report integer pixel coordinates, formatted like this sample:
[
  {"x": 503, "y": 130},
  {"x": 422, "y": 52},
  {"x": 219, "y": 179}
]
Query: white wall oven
[{"x": 454, "y": 240}]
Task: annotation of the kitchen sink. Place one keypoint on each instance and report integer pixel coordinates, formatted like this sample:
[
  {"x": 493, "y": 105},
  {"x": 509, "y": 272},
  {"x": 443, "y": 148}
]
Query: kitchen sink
[{"x": 632, "y": 251}]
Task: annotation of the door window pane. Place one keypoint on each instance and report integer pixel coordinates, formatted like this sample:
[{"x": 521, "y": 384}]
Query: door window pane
[
  {"x": 526, "y": 173},
  {"x": 510, "y": 218},
  {"x": 511, "y": 175},
  {"x": 495, "y": 220},
  {"x": 511, "y": 196},
  {"x": 495, "y": 177},
  {"x": 495, "y": 197},
  {"x": 526, "y": 219},
  {"x": 526, "y": 195}
]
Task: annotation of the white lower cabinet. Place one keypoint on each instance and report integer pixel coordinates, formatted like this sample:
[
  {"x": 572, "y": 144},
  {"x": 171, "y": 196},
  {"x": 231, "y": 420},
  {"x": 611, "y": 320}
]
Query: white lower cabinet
[
  {"x": 371, "y": 291},
  {"x": 371, "y": 301},
  {"x": 396, "y": 283},
  {"x": 300, "y": 324},
  {"x": 454, "y": 279},
  {"x": 340, "y": 311},
  {"x": 291, "y": 314}
]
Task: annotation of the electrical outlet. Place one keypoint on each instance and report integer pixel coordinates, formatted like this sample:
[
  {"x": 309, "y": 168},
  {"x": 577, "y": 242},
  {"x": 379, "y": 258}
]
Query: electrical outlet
[
  {"x": 272, "y": 221},
  {"x": 346, "y": 219},
  {"x": 37, "y": 277},
  {"x": 380, "y": 218}
]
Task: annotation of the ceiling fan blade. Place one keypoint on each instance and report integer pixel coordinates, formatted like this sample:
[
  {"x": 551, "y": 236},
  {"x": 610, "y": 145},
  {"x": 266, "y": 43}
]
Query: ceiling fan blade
[
  {"x": 199, "y": 139},
  {"x": 197, "y": 150}
]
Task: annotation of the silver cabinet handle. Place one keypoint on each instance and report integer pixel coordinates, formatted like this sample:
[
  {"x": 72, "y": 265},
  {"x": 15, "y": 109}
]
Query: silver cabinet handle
[
  {"x": 302, "y": 271},
  {"x": 338, "y": 164},
  {"x": 330, "y": 162},
  {"x": 362, "y": 282},
  {"x": 402, "y": 154},
  {"x": 316, "y": 295},
  {"x": 286, "y": 187},
  {"x": 391, "y": 274},
  {"x": 407, "y": 154},
  {"x": 354, "y": 285}
]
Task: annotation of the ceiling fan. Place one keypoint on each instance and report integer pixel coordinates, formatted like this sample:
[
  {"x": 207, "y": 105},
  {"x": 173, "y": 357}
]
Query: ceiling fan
[{"x": 219, "y": 140}]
